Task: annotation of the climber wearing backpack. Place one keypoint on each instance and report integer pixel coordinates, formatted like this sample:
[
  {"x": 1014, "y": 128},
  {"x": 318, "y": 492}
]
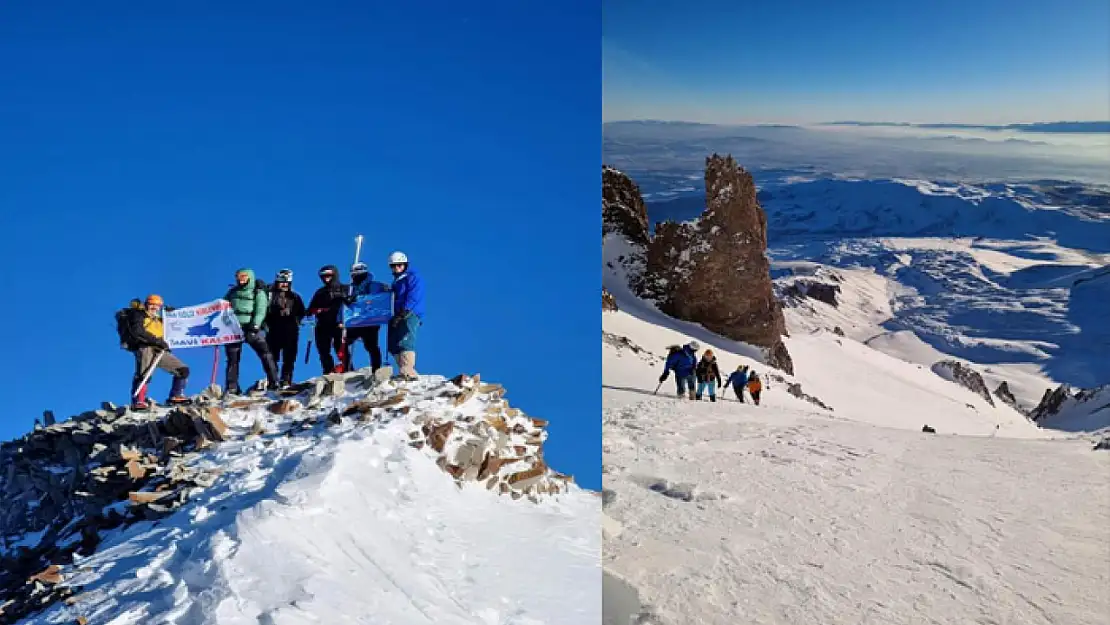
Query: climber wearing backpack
[
  {"x": 682, "y": 360},
  {"x": 738, "y": 380},
  {"x": 283, "y": 324},
  {"x": 143, "y": 335},
  {"x": 326, "y": 306},
  {"x": 362, "y": 283},
  {"x": 249, "y": 302},
  {"x": 708, "y": 375},
  {"x": 408, "y": 314},
  {"x": 755, "y": 387}
]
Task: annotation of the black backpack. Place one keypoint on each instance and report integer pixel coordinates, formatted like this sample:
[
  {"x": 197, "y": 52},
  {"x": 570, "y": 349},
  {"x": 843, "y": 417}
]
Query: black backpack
[{"x": 123, "y": 324}]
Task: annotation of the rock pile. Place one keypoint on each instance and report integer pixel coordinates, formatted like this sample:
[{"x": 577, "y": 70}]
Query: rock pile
[
  {"x": 65, "y": 483},
  {"x": 502, "y": 449}
]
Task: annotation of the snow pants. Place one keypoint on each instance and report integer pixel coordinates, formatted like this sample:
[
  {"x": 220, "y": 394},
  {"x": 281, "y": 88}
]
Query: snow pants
[
  {"x": 144, "y": 356},
  {"x": 402, "y": 343},
  {"x": 283, "y": 346},
  {"x": 739, "y": 393},
  {"x": 234, "y": 352},
  {"x": 711, "y": 385},
  {"x": 327, "y": 338},
  {"x": 369, "y": 338},
  {"x": 685, "y": 384}
]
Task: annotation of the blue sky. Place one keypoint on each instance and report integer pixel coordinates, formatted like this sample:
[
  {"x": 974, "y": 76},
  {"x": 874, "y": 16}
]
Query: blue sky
[
  {"x": 148, "y": 147},
  {"x": 801, "y": 61}
]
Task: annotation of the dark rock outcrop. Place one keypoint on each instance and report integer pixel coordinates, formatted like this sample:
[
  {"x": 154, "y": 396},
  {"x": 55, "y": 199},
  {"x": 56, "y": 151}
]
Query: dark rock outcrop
[
  {"x": 820, "y": 291},
  {"x": 622, "y": 207},
  {"x": 795, "y": 389},
  {"x": 955, "y": 371},
  {"x": 714, "y": 271},
  {"x": 1071, "y": 402},
  {"x": 1005, "y": 396}
]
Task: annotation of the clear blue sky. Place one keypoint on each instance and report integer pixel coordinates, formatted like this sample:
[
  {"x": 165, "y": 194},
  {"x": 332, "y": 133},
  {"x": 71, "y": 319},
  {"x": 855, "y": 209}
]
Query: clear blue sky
[
  {"x": 159, "y": 146},
  {"x": 798, "y": 61}
]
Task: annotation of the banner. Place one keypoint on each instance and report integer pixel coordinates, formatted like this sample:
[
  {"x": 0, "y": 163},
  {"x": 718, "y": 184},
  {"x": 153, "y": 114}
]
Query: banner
[
  {"x": 204, "y": 325},
  {"x": 369, "y": 310}
]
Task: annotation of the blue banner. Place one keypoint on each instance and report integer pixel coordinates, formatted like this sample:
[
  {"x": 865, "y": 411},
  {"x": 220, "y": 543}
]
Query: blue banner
[{"x": 369, "y": 310}]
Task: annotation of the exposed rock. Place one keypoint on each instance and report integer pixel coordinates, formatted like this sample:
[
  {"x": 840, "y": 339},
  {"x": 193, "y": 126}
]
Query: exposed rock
[
  {"x": 622, "y": 207},
  {"x": 955, "y": 371},
  {"x": 1080, "y": 403},
  {"x": 714, "y": 271},
  {"x": 927, "y": 429},
  {"x": 1003, "y": 393},
  {"x": 608, "y": 302},
  {"x": 838, "y": 331},
  {"x": 813, "y": 289},
  {"x": 795, "y": 389},
  {"x": 1104, "y": 443}
]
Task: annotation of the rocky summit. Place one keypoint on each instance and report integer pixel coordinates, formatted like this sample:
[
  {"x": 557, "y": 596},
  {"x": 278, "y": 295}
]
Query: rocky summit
[{"x": 67, "y": 484}]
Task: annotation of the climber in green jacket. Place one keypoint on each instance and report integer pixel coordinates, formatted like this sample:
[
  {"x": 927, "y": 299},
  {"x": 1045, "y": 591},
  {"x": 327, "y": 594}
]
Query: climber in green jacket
[{"x": 250, "y": 302}]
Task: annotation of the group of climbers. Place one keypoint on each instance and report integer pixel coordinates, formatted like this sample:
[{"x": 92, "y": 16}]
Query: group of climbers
[
  {"x": 694, "y": 377},
  {"x": 271, "y": 318}
]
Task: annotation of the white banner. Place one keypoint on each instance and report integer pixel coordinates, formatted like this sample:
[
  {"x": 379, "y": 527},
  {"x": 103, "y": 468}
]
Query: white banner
[{"x": 203, "y": 325}]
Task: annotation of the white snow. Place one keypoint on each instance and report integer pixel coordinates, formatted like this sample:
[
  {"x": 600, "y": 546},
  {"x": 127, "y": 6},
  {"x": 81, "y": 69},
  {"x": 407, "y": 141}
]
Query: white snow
[
  {"x": 724, "y": 513},
  {"x": 345, "y": 524}
]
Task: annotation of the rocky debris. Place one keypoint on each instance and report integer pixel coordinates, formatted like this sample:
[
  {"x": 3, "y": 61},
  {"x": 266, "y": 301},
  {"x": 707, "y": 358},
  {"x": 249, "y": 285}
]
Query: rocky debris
[
  {"x": 622, "y": 207},
  {"x": 1005, "y": 396},
  {"x": 1103, "y": 444},
  {"x": 795, "y": 389},
  {"x": 955, "y": 371},
  {"x": 714, "y": 271},
  {"x": 62, "y": 485},
  {"x": 927, "y": 429},
  {"x": 608, "y": 302},
  {"x": 813, "y": 289},
  {"x": 623, "y": 343},
  {"x": 502, "y": 450},
  {"x": 838, "y": 331}
]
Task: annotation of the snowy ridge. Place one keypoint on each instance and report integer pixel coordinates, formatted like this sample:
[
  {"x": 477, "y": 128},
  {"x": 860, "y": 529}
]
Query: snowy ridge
[{"x": 338, "y": 513}]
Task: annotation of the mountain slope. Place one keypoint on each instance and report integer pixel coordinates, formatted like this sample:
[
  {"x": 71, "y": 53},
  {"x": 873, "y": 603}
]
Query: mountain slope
[
  {"x": 788, "y": 513},
  {"x": 317, "y": 517}
]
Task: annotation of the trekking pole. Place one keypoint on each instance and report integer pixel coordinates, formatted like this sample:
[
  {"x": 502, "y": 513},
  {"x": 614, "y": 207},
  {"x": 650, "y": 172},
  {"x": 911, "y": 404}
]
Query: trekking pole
[
  {"x": 149, "y": 372},
  {"x": 657, "y": 389}
]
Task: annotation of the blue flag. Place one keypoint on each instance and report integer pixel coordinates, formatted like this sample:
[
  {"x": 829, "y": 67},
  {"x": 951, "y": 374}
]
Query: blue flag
[{"x": 369, "y": 310}]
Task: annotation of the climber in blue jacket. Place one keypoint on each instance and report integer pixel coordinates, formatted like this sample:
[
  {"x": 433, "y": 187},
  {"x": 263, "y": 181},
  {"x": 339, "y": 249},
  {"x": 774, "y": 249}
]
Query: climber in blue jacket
[
  {"x": 738, "y": 380},
  {"x": 682, "y": 360},
  {"x": 408, "y": 314}
]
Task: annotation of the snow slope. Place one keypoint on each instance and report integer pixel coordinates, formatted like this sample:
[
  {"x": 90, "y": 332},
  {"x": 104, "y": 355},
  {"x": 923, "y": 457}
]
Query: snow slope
[
  {"x": 1029, "y": 313},
  {"x": 786, "y": 513},
  {"x": 347, "y": 523}
]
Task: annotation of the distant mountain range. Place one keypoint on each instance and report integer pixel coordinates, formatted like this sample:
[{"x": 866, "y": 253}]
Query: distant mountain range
[
  {"x": 1068, "y": 127},
  {"x": 1090, "y": 127}
]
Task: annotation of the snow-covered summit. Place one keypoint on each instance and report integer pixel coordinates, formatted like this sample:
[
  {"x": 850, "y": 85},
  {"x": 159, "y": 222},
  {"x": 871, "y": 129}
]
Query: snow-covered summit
[{"x": 355, "y": 501}]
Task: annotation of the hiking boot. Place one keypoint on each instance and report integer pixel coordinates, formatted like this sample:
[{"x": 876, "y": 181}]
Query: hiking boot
[
  {"x": 713, "y": 398},
  {"x": 697, "y": 397},
  {"x": 178, "y": 400},
  {"x": 691, "y": 394},
  {"x": 141, "y": 404}
]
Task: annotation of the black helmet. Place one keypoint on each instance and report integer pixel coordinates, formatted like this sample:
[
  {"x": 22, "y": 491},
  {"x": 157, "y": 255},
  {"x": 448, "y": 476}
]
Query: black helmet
[
  {"x": 329, "y": 270},
  {"x": 285, "y": 275}
]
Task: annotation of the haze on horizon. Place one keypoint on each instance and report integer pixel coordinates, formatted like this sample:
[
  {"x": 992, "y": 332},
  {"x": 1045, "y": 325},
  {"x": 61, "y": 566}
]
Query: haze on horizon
[{"x": 806, "y": 62}]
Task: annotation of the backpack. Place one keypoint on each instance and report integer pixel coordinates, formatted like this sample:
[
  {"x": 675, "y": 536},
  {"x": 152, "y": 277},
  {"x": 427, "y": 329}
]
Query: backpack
[{"x": 123, "y": 324}]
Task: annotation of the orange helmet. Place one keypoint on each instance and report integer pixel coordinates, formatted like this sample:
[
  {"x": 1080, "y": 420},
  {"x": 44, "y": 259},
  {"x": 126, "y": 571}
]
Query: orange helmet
[{"x": 154, "y": 299}]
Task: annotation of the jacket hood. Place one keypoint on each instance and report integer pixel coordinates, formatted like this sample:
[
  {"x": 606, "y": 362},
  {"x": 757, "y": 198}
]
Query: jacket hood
[{"x": 249, "y": 272}]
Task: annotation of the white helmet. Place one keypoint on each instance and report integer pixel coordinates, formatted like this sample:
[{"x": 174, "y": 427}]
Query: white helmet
[
  {"x": 398, "y": 258},
  {"x": 359, "y": 269},
  {"x": 693, "y": 345}
]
